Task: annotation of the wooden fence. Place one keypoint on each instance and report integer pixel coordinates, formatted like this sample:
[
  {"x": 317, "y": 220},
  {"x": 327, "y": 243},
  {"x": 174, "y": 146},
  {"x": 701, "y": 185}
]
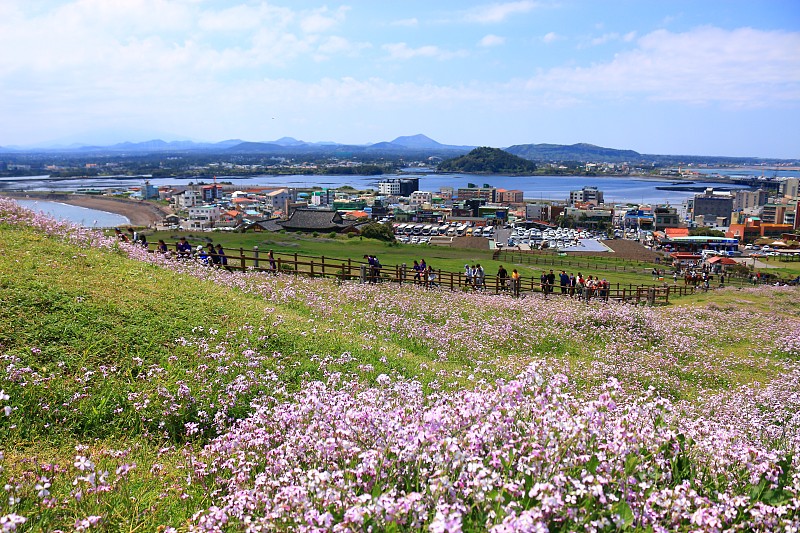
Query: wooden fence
[
  {"x": 347, "y": 269},
  {"x": 550, "y": 259}
]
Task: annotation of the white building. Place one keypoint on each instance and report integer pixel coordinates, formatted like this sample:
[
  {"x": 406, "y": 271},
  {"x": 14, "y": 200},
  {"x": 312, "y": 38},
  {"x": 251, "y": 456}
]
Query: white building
[
  {"x": 587, "y": 194},
  {"x": 790, "y": 187},
  {"x": 187, "y": 199},
  {"x": 277, "y": 200},
  {"x": 203, "y": 217},
  {"x": 419, "y": 198}
]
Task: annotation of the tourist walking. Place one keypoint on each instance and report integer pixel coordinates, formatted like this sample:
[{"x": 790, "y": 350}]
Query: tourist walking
[
  {"x": 551, "y": 281},
  {"x": 430, "y": 277},
  {"x": 502, "y": 277},
  {"x": 563, "y": 280},
  {"x": 222, "y": 259},
  {"x": 478, "y": 277},
  {"x": 515, "y": 282},
  {"x": 417, "y": 272}
]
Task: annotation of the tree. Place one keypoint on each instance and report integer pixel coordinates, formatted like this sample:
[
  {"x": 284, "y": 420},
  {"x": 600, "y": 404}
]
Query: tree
[
  {"x": 488, "y": 160},
  {"x": 705, "y": 232},
  {"x": 565, "y": 221},
  {"x": 381, "y": 232}
]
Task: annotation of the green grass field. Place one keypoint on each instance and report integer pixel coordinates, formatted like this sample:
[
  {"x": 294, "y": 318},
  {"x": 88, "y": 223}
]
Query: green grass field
[{"x": 127, "y": 380}]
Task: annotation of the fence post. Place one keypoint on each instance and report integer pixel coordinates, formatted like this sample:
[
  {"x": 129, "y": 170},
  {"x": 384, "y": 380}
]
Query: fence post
[
  {"x": 241, "y": 258},
  {"x": 255, "y": 254}
]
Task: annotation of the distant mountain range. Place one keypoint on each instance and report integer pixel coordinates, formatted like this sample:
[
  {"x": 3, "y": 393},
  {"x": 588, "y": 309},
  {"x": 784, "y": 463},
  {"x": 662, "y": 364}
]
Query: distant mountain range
[
  {"x": 285, "y": 146},
  {"x": 411, "y": 146}
]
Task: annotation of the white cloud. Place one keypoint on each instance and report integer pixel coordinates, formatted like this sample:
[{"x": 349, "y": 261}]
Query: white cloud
[
  {"x": 492, "y": 40},
  {"x": 743, "y": 68},
  {"x": 605, "y": 38},
  {"x": 245, "y": 17},
  {"x": 339, "y": 46},
  {"x": 613, "y": 37},
  {"x": 322, "y": 19},
  {"x": 493, "y": 13},
  {"x": 403, "y": 51},
  {"x": 409, "y": 23},
  {"x": 550, "y": 37}
]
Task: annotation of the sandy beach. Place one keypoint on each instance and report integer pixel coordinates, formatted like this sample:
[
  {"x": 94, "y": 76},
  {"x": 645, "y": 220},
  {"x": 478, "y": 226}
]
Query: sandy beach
[{"x": 138, "y": 212}]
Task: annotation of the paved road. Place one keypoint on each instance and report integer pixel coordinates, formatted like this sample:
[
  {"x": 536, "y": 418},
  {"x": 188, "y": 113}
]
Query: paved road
[{"x": 753, "y": 262}]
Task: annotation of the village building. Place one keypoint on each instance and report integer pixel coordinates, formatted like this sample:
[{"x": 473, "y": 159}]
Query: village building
[
  {"x": 586, "y": 195},
  {"x": 322, "y": 220}
]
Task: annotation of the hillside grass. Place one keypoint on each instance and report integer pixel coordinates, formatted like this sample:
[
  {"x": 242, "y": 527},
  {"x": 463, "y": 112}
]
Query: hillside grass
[{"x": 98, "y": 350}]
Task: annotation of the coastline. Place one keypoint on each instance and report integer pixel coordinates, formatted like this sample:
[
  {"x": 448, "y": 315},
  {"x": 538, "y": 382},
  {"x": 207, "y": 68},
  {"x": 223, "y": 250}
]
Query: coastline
[{"x": 140, "y": 213}]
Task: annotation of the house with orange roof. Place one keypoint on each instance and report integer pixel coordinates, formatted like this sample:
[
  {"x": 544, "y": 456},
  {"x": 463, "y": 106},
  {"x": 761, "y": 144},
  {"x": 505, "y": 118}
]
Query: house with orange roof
[
  {"x": 512, "y": 196},
  {"x": 676, "y": 232},
  {"x": 355, "y": 215}
]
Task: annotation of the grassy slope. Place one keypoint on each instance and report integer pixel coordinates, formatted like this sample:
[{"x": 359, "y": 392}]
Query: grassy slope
[{"x": 67, "y": 311}]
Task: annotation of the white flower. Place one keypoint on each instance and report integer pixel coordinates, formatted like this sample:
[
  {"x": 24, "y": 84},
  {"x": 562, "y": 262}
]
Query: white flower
[
  {"x": 41, "y": 488},
  {"x": 83, "y": 463}
]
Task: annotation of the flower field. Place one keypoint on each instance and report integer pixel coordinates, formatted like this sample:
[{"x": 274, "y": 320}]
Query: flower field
[{"x": 138, "y": 393}]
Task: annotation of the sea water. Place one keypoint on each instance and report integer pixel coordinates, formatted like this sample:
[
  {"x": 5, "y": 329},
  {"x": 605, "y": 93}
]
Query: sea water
[
  {"x": 90, "y": 218},
  {"x": 615, "y": 189}
]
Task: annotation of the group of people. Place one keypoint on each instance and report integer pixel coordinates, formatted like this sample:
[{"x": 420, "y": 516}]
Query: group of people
[
  {"x": 572, "y": 285},
  {"x": 132, "y": 236},
  {"x": 424, "y": 274},
  {"x": 475, "y": 277},
  {"x": 374, "y": 266},
  {"x": 209, "y": 255},
  {"x": 569, "y": 284}
]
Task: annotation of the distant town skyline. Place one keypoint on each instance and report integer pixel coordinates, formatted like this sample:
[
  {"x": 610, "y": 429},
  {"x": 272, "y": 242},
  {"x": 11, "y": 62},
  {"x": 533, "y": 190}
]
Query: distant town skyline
[{"x": 678, "y": 77}]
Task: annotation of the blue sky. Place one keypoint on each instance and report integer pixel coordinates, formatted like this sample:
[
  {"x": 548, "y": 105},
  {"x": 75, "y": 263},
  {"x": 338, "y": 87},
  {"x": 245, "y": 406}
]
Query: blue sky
[{"x": 668, "y": 77}]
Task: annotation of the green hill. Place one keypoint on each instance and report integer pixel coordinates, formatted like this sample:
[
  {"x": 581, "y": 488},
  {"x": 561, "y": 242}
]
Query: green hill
[
  {"x": 575, "y": 152},
  {"x": 489, "y": 161},
  {"x": 139, "y": 393}
]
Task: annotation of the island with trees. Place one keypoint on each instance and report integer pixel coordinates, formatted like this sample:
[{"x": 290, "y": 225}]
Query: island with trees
[{"x": 486, "y": 160}]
